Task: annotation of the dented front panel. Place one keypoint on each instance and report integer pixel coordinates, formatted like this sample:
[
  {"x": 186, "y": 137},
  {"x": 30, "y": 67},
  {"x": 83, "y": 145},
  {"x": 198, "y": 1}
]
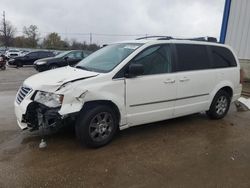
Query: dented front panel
[{"x": 76, "y": 92}]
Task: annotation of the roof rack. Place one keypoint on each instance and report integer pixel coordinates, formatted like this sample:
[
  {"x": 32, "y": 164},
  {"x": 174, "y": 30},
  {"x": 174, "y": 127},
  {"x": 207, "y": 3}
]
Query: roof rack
[
  {"x": 148, "y": 37},
  {"x": 207, "y": 39}
]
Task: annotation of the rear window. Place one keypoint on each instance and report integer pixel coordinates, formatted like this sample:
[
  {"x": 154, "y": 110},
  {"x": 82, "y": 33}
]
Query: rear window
[
  {"x": 192, "y": 57},
  {"x": 222, "y": 57}
]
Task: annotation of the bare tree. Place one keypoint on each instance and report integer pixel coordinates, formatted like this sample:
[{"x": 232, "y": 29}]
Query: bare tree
[
  {"x": 32, "y": 35},
  {"x": 53, "y": 41},
  {"x": 7, "y": 32}
]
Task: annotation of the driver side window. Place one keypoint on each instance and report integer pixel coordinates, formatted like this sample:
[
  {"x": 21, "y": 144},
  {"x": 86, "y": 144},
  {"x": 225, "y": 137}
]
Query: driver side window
[
  {"x": 75, "y": 55},
  {"x": 71, "y": 55},
  {"x": 33, "y": 55},
  {"x": 156, "y": 60}
]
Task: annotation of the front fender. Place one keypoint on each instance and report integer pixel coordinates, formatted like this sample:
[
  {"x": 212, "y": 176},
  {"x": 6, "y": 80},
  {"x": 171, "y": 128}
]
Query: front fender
[{"x": 114, "y": 91}]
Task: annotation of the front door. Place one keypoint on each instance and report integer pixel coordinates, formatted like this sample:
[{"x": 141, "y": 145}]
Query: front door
[
  {"x": 31, "y": 58},
  {"x": 151, "y": 96}
]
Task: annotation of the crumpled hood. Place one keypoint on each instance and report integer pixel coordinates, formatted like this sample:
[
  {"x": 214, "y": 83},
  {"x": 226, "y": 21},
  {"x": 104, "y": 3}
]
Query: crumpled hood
[{"x": 57, "y": 77}]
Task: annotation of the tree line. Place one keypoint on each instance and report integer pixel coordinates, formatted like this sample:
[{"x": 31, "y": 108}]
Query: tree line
[{"x": 30, "y": 38}]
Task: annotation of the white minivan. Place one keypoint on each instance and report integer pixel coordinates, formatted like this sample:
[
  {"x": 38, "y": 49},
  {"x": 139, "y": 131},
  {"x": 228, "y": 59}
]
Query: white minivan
[{"x": 131, "y": 83}]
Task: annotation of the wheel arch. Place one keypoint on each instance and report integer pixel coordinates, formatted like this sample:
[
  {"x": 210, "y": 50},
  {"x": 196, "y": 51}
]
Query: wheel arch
[
  {"x": 228, "y": 89},
  {"x": 52, "y": 64},
  {"x": 90, "y": 104},
  {"x": 226, "y": 86}
]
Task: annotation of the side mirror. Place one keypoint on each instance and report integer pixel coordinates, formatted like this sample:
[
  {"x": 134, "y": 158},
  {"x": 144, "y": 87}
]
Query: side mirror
[
  {"x": 134, "y": 70},
  {"x": 66, "y": 58}
]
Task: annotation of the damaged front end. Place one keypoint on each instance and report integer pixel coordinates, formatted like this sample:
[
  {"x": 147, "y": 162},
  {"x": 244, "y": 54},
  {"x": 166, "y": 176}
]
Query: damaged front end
[
  {"x": 40, "y": 116},
  {"x": 48, "y": 110},
  {"x": 51, "y": 103}
]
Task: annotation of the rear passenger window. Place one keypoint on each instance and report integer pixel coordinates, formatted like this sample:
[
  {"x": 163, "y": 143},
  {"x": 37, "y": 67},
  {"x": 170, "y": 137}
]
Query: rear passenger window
[
  {"x": 44, "y": 54},
  {"x": 222, "y": 57},
  {"x": 192, "y": 57}
]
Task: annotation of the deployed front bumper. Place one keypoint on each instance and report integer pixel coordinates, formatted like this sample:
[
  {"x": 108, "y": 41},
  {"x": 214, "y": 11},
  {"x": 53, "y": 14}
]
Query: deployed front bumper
[{"x": 33, "y": 115}]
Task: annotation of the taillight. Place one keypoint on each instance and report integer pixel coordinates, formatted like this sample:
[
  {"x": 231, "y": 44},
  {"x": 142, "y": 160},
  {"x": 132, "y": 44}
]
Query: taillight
[{"x": 241, "y": 76}]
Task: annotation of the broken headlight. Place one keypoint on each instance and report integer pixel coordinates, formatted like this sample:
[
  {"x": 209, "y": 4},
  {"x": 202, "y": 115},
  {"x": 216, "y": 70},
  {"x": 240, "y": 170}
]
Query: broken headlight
[{"x": 48, "y": 99}]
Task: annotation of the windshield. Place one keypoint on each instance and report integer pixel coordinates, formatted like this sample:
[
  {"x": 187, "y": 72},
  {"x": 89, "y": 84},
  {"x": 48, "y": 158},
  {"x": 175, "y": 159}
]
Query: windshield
[
  {"x": 62, "y": 54},
  {"x": 107, "y": 58}
]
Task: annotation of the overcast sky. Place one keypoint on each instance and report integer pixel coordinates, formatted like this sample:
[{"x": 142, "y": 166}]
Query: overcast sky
[{"x": 76, "y": 18}]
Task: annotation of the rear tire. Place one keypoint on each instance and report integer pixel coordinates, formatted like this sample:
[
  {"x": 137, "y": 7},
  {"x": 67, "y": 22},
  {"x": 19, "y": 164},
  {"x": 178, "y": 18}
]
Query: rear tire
[
  {"x": 96, "y": 126},
  {"x": 19, "y": 64},
  {"x": 220, "y": 105}
]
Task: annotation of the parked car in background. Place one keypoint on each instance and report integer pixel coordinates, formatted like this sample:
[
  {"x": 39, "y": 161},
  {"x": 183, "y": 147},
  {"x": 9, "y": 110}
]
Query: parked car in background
[
  {"x": 2, "y": 51},
  {"x": 57, "y": 52},
  {"x": 29, "y": 58},
  {"x": 23, "y": 52},
  {"x": 62, "y": 59},
  {"x": 12, "y": 53}
]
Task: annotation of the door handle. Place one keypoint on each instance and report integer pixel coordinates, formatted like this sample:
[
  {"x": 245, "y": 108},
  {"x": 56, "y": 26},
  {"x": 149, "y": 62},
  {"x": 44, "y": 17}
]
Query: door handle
[
  {"x": 184, "y": 79},
  {"x": 169, "y": 81}
]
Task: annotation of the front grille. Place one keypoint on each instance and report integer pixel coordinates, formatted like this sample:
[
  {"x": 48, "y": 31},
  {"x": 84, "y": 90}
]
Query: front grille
[{"x": 22, "y": 93}]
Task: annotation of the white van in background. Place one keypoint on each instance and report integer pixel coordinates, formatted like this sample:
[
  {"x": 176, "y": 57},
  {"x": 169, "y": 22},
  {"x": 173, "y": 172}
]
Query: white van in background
[
  {"x": 131, "y": 83},
  {"x": 12, "y": 53}
]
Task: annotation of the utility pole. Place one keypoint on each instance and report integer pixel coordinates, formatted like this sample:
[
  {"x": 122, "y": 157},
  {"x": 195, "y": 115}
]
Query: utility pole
[
  {"x": 90, "y": 38},
  {"x": 4, "y": 30}
]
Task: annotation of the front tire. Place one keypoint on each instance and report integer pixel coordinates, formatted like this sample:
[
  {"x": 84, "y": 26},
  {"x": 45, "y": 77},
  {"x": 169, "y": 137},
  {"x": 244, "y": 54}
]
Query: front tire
[
  {"x": 220, "y": 105},
  {"x": 96, "y": 126},
  {"x": 53, "y": 66}
]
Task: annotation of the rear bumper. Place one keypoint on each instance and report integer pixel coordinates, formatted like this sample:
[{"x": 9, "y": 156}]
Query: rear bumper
[{"x": 237, "y": 93}]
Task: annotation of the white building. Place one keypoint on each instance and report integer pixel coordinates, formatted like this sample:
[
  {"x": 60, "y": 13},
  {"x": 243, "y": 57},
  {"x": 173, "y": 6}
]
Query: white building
[{"x": 235, "y": 30}]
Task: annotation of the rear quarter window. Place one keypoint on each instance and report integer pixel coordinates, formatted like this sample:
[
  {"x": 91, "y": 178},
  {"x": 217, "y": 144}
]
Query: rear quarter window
[
  {"x": 192, "y": 57},
  {"x": 222, "y": 57}
]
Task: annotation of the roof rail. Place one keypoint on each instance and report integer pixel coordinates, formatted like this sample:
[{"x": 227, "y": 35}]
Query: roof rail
[
  {"x": 148, "y": 37},
  {"x": 207, "y": 39}
]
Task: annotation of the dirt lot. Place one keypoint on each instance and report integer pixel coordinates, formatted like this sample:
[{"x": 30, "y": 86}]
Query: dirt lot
[{"x": 192, "y": 151}]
